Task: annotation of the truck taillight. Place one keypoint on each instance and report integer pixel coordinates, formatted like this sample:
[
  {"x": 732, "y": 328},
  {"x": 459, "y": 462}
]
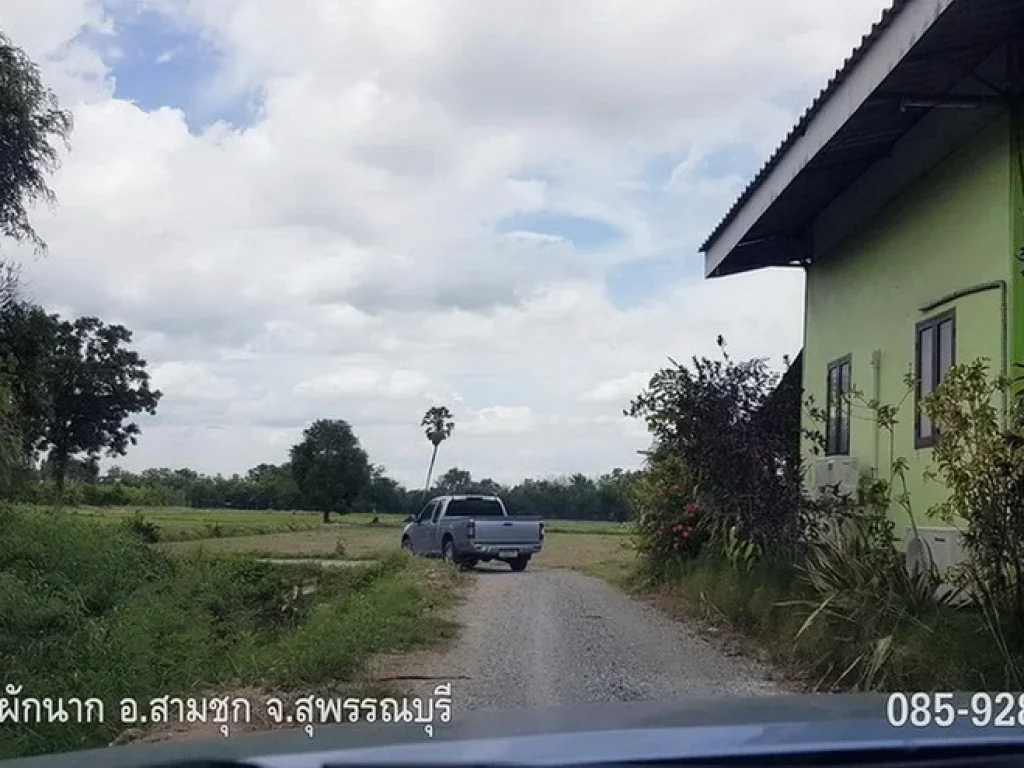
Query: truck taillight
[
  {"x": 471, "y": 528},
  {"x": 542, "y": 531}
]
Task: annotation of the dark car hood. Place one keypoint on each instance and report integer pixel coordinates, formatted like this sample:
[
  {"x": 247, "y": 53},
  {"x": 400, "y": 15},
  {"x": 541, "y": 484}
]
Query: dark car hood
[{"x": 630, "y": 731}]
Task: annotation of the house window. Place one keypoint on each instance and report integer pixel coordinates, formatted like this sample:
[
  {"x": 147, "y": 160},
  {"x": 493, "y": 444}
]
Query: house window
[
  {"x": 935, "y": 354},
  {"x": 837, "y": 426}
]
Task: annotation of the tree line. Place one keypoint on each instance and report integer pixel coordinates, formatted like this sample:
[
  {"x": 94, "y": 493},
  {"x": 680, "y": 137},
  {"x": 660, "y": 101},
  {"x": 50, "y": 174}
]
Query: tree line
[{"x": 274, "y": 487}]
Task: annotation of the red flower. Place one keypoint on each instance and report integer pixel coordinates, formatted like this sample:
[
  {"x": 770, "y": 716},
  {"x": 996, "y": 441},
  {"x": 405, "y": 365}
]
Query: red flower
[{"x": 685, "y": 534}]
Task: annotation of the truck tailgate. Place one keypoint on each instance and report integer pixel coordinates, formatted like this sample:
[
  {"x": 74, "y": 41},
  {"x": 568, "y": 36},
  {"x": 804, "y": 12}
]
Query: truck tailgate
[{"x": 507, "y": 531}]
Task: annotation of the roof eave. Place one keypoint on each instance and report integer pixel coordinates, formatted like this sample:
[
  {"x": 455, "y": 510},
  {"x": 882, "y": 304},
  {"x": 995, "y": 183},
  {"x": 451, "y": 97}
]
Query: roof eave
[{"x": 847, "y": 93}]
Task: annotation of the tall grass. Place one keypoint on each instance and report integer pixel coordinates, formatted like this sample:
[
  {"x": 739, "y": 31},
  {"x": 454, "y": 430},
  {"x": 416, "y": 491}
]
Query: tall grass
[{"x": 91, "y": 610}]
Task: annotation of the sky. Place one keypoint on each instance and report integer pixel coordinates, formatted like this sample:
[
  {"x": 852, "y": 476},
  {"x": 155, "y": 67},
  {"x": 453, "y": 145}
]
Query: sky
[{"x": 350, "y": 209}]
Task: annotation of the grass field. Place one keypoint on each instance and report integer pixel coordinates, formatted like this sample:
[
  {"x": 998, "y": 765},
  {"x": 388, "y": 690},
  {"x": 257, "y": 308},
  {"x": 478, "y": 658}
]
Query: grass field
[
  {"x": 189, "y": 524},
  {"x": 185, "y": 523},
  {"x": 602, "y": 554},
  {"x": 595, "y": 547}
]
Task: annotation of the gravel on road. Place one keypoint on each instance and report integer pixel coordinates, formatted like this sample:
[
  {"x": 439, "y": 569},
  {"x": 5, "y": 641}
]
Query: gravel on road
[{"x": 558, "y": 637}]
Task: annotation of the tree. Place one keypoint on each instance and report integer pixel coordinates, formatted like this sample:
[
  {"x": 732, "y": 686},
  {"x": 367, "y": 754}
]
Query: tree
[
  {"x": 272, "y": 486},
  {"x": 96, "y": 384},
  {"x": 383, "y": 494},
  {"x": 439, "y": 425},
  {"x": 27, "y": 336},
  {"x": 454, "y": 481},
  {"x": 31, "y": 121},
  {"x": 330, "y": 468}
]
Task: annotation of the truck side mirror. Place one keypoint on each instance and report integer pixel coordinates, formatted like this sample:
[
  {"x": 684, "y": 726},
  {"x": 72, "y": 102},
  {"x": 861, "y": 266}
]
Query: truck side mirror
[{"x": 410, "y": 519}]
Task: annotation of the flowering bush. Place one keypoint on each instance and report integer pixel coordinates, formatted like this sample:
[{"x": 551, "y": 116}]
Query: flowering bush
[
  {"x": 670, "y": 520},
  {"x": 687, "y": 538}
]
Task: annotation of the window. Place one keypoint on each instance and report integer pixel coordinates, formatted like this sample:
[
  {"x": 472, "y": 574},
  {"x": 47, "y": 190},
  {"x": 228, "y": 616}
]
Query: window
[
  {"x": 424, "y": 514},
  {"x": 935, "y": 354},
  {"x": 837, "y": 421},
  {"x": 474, "y": 508}
]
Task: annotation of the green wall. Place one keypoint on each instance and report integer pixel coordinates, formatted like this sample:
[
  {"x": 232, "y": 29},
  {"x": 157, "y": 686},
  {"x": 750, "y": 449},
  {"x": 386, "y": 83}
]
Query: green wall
[
  {"x": 1017, "y": 229},
  {"x": 951, "y": 230}
]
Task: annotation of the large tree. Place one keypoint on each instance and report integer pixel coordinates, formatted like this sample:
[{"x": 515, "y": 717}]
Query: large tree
[
  {"x": 32, "y": 126},
  {"x": 438, "y": 426},
  {"x": 330, "y": 467},
  {"x": 96, "y": 385},
  {"x": 27, "y": 346}
]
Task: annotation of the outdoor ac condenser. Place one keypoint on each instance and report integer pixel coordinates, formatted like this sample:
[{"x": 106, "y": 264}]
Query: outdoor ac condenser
[{"x": 842, "y": 472}]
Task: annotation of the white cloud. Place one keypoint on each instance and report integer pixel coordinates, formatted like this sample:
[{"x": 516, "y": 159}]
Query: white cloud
[
  {"x": 615, "y": 390},
  {"x": 338, "y": 257},
  {"x": 362, "y": 381},
  {"x": 502, "y": 420},
  {"x": 192, "y": 381}
]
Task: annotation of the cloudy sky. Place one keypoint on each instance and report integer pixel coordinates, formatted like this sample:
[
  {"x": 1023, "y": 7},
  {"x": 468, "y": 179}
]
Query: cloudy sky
[{"x": 359, "y": 208}]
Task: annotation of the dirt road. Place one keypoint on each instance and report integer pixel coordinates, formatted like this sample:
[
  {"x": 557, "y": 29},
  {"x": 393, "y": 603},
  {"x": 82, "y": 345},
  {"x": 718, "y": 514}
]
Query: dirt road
[{"x": 556, "y": 637}]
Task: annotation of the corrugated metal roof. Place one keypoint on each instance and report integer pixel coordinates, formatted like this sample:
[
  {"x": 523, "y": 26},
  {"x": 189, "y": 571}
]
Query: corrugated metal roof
[{"x": 867, "y": 41}]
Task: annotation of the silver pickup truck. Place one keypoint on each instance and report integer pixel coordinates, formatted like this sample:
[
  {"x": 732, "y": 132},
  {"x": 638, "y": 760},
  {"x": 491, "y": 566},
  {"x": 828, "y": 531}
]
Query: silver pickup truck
[{"x": 470, "y": 529}]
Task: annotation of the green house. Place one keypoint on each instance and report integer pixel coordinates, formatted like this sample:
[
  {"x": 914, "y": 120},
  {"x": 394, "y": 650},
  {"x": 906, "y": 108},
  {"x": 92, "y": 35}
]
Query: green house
[{"x": 899, "y": 195}]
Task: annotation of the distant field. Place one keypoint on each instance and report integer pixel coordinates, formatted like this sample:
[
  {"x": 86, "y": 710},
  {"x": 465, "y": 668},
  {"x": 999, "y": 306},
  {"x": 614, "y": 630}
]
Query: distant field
[
  {"x": 607, "y": 555},
  {"x": 359, "y": 542},
  {"x": 188, "y": 524}
]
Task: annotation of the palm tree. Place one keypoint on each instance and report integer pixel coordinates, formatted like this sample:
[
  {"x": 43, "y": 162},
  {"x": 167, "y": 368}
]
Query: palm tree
[{"x": 439, "y": 426}]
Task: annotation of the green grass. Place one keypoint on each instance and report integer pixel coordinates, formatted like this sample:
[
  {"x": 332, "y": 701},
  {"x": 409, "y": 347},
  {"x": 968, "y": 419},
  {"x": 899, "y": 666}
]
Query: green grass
[
  {"x": 89, "y": 610},
  {"x": 188, "y": 524},
  {"x": 947, "y": 649}
]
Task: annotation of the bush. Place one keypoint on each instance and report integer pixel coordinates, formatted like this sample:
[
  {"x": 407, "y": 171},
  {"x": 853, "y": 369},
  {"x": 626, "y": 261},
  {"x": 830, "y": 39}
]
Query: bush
[
  {"x": 981, "y": 461},
  {"x": 735, "y": 427},
  {"x": 138, "y": 526},
  {"x": 669, "y": 523}
]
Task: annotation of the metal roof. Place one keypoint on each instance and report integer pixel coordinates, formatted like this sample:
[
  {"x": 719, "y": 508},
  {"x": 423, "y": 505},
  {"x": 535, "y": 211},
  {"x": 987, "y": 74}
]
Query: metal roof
[
  {"x": 919, "y": 50},
  {"x": 858, "y": 53}
]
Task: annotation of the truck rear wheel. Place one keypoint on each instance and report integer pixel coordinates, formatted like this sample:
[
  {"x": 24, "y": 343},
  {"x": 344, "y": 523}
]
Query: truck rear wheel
[{"x": 519, "y": 564}]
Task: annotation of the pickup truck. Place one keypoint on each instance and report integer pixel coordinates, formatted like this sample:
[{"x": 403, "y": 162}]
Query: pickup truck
[{"x": 467, "y": 530}]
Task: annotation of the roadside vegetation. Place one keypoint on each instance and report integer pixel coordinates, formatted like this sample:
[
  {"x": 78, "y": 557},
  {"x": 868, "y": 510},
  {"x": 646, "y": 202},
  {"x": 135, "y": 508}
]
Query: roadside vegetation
[
  {"x": 95, "y": 611},
  {"x": 728, "y": 532}
]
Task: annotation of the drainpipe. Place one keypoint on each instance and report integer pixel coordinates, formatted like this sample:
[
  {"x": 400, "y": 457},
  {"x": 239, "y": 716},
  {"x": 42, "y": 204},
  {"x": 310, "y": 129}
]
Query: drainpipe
[
  {"x": 876, "y": 386},
  {"x": 995, "y": 285}
]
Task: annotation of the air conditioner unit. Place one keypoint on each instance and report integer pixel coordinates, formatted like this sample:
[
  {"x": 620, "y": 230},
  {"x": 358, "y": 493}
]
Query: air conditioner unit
[
  {"x": 939, "y": 549},
  {"x": 942, "y": 544},
  {"x": 840, "y": 472}
]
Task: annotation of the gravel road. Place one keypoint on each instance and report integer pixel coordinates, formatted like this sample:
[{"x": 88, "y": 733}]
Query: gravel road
[{"x": 552, "y": 638}]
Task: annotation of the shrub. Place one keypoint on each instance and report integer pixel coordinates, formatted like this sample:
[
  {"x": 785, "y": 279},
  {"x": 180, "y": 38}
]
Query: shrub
[
  {"x": 864, "y": 599},
  {"x": 670, "y": 522},
  {"x": 980, "y": 459},
  {"x": 137, "y": 525},
  {"x": 735, "y": 427}
]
